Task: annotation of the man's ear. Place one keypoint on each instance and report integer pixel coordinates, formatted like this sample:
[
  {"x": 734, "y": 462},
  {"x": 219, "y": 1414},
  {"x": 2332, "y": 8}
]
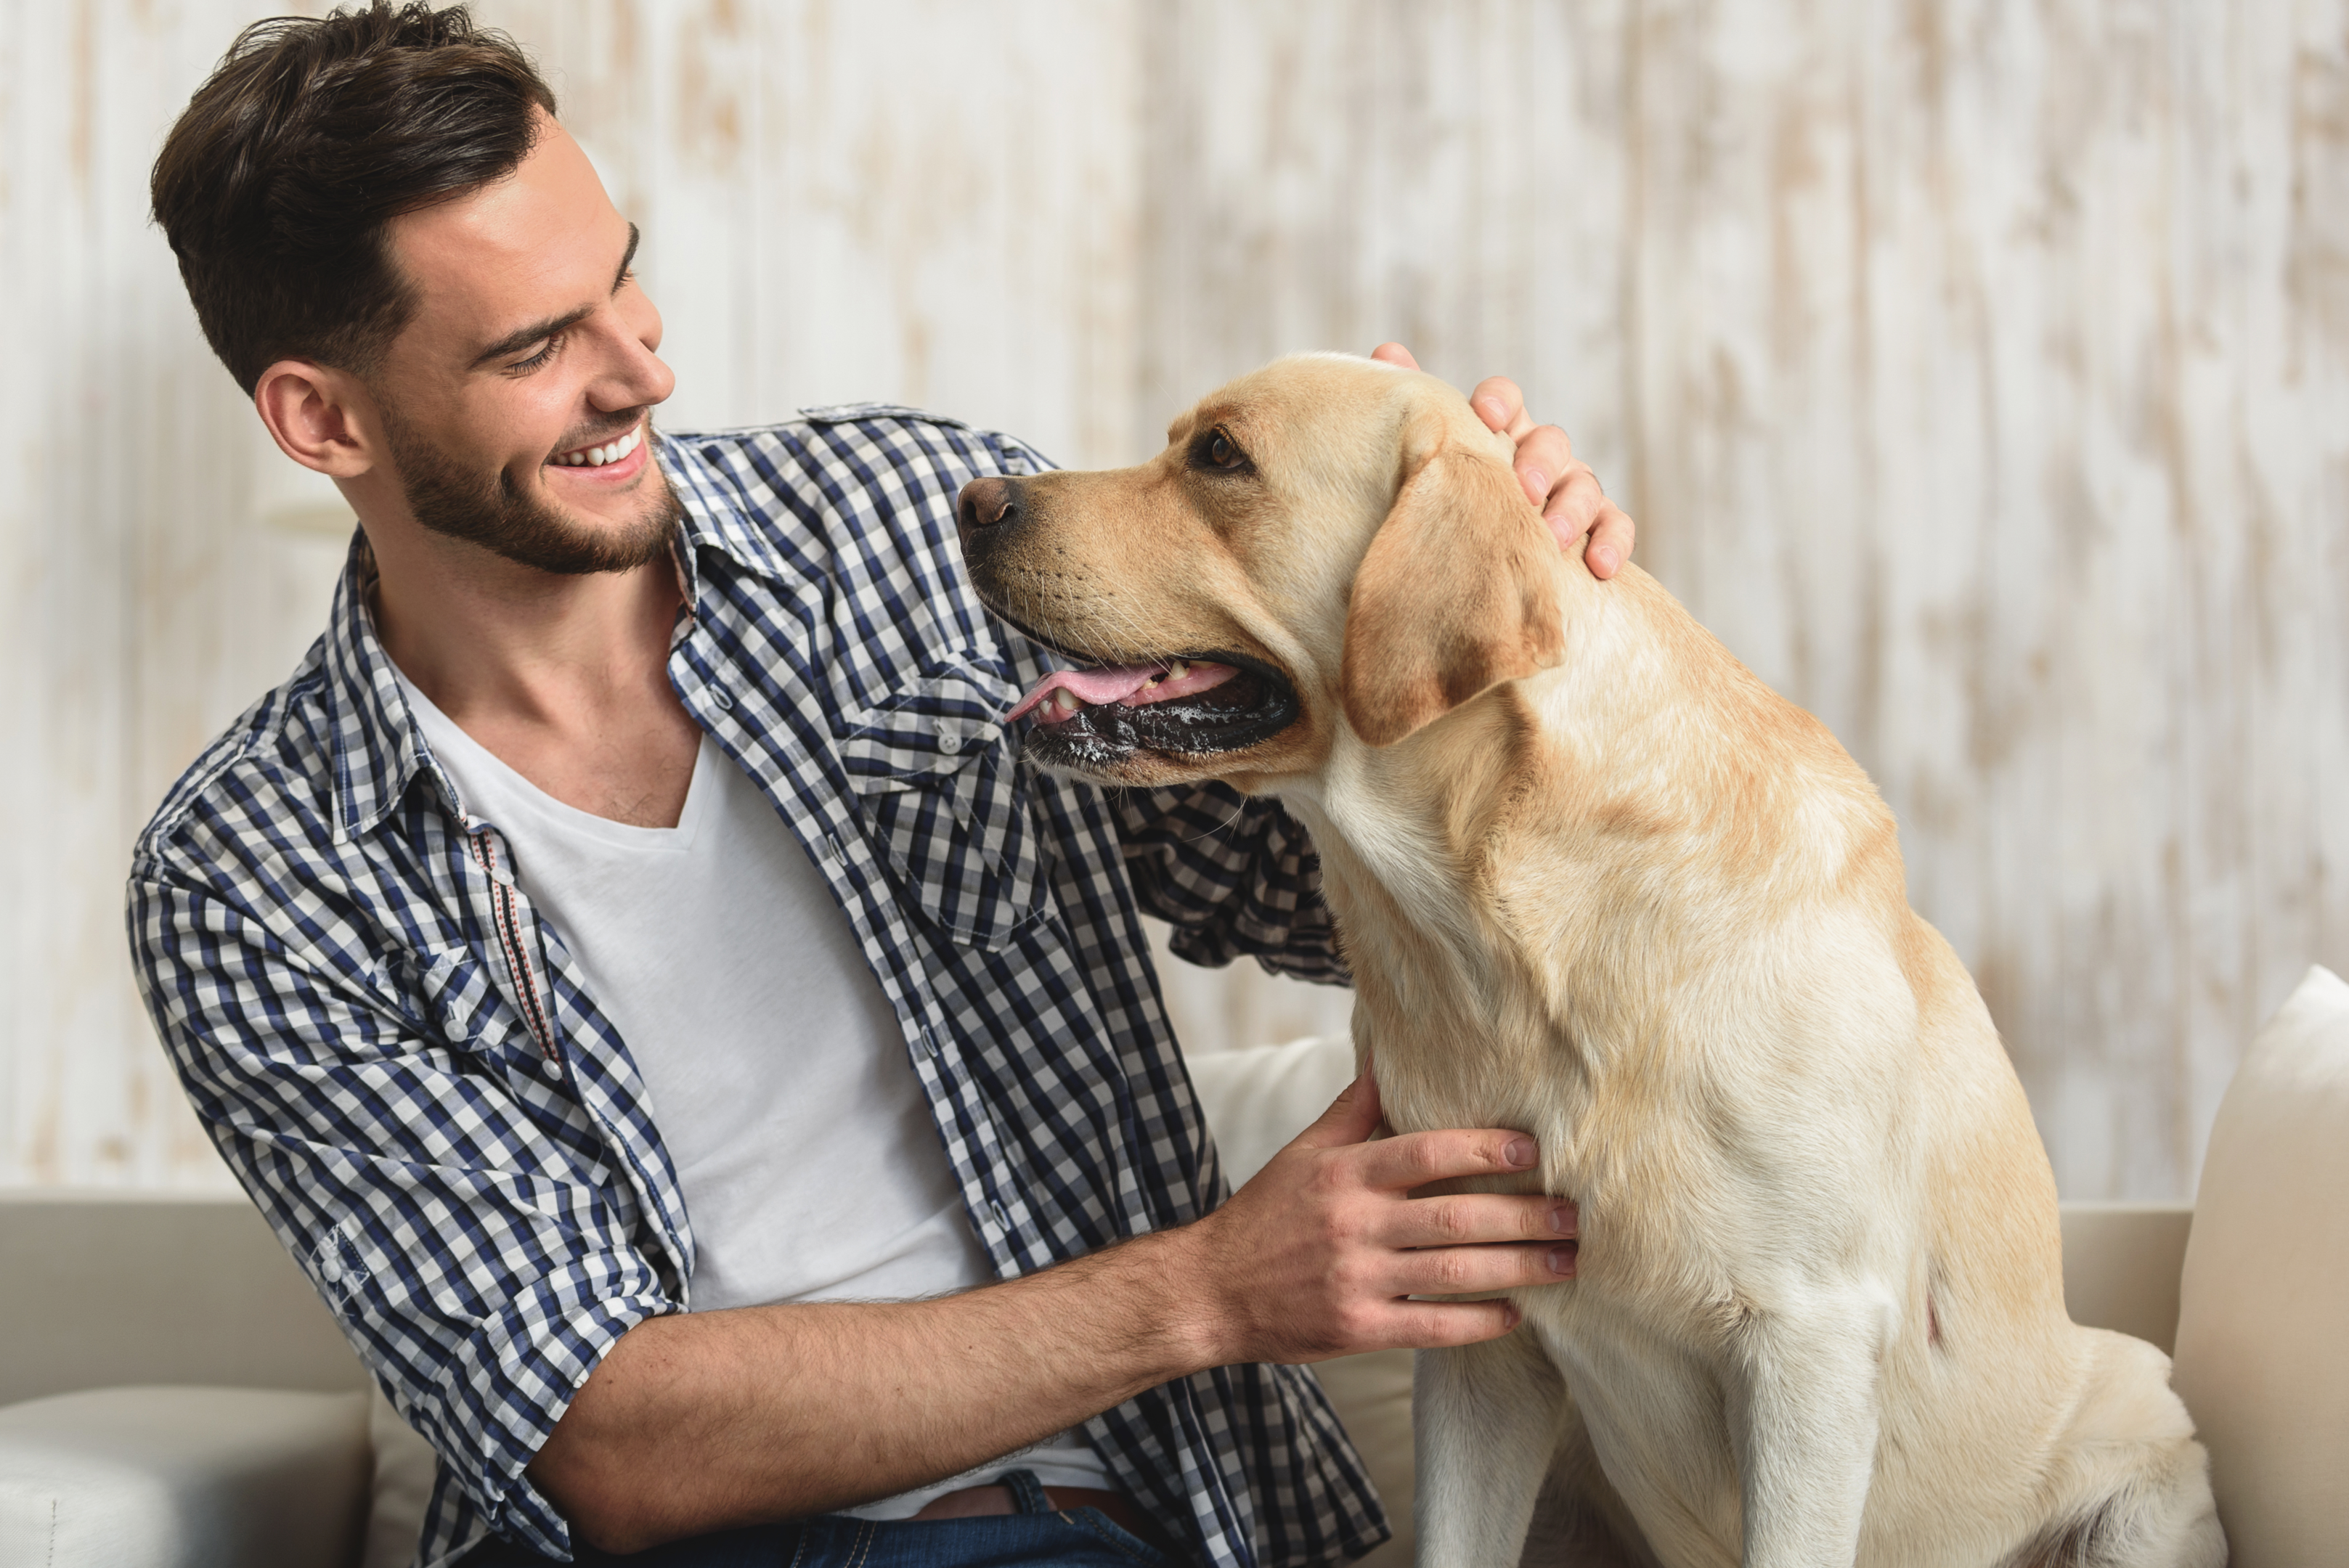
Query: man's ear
[
  {"x": 1457, "y": 593},
  {"x": 315, "y": 414}
]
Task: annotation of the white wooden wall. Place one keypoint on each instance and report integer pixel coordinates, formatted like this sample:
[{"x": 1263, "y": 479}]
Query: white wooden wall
[{"x": 1979, "y": 371}]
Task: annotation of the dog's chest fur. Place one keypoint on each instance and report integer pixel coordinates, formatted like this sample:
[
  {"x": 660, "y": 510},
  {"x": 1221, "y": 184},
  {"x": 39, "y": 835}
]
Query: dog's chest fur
[
  {"x": 1501, "y": 987},
  {"x": 1509, "y": 972}
]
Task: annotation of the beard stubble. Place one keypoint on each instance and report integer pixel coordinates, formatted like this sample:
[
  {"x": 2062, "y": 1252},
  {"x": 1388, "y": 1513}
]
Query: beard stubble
[{"x": 488, "y": 510}]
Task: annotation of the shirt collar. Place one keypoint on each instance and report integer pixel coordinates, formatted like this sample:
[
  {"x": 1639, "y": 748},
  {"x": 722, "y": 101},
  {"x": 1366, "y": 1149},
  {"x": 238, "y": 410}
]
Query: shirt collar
[
  {"x": 713, "y": 496},
  {"x": 377, "y": 747}
]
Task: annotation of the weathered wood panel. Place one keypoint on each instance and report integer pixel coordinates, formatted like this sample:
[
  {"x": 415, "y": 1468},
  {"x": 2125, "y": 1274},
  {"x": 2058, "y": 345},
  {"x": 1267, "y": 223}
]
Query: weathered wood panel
[
  {"x": 1979, "y": 372},
  {"x": 926, "y": 202},
  {"x": 142, "y": 611},
  {"x": 1992, "y": 401}
]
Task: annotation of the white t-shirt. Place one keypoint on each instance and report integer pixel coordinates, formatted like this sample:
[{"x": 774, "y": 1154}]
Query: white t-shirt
[{"x": 775, "y": 1068}]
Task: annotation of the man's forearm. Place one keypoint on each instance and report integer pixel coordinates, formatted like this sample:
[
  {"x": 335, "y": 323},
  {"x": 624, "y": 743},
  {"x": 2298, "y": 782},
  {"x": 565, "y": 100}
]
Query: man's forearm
[{"x": 708, "y": 1420}]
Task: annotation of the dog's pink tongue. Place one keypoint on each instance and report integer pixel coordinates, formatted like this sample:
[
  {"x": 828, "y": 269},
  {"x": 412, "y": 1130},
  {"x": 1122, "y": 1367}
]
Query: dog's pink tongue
[
  {"x": 1115, "y": 684},
  {"x": 1125, "y": 684}
]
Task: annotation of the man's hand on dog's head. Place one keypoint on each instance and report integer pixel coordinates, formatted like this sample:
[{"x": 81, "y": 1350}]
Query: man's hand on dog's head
[
  {"x": 1556, "y": 481},
  {"x": 1320, "y": 1253}
]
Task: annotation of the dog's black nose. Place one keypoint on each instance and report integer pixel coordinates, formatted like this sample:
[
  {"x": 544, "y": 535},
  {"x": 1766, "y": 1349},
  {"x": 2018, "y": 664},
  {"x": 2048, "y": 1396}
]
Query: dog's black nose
[{"x": 985, "y": 503}]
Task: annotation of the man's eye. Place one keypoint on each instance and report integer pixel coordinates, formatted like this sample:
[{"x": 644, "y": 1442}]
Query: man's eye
[{"x": 545, "y": 353}]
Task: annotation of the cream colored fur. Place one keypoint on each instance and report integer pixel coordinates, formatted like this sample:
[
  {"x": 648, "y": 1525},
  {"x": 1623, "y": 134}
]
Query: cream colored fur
[{"x": 1597, "y": 882}]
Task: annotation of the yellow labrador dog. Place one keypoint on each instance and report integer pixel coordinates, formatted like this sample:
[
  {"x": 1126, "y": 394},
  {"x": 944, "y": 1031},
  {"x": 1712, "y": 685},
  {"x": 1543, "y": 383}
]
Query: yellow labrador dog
[{"x": 1599, "y": 884}]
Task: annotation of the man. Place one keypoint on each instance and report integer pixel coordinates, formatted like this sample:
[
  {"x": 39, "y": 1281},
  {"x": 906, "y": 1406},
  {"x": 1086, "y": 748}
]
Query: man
[{"x": 635, "y": 905}]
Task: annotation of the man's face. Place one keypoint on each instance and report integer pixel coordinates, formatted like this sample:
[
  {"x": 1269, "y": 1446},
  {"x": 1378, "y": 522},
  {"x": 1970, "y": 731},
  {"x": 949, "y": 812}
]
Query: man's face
[{"x": 530, "y": 356}]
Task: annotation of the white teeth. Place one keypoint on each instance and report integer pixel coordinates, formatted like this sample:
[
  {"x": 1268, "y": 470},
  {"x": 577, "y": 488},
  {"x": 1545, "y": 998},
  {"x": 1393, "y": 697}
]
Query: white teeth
[
  {"x": 1065, "y": 700},
  {"x": 1175, "y": 671},
  {"x": 596, "y": 457}
]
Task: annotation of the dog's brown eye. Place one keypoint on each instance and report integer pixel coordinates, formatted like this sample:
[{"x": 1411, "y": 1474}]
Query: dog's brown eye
[
  {"x": 1219, "y": 452},
  {"x": 1213, "y": 451}
]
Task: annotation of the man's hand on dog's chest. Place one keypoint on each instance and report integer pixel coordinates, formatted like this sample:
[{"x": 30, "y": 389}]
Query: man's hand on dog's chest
[{"x": 1319, "y": 1254}]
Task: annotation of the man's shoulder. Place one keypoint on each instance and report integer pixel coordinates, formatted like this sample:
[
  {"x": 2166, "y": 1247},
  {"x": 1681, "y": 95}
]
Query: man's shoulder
[
  {"x": 268, "y": 773},
  {"x": 862, "y": 495},
  {"x": 860, "y": 443}
]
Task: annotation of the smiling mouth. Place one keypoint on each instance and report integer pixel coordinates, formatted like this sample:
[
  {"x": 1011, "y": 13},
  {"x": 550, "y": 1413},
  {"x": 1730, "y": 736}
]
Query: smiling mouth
[
  {"x": 1193, "y": 704},
  {"x": 601, "y": 454}
]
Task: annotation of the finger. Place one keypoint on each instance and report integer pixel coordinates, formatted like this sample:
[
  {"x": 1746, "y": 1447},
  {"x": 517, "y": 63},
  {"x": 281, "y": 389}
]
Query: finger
[
  {"x": 1351, "y": 1118},
  {"x": 1501, "y": 406},
  {"x": 1479, "y": 1271},
  {"x": 1575, "y": 502},
  {"x": 1416, "y": 1158},
  {"x": 1544, "y": 463},
  {"x": 1467, "y": 1218},
  {"x": 1395, "y": 354},
  {"x": 1438, "y": 1325},
  {"x": 1610, "y": 543}
]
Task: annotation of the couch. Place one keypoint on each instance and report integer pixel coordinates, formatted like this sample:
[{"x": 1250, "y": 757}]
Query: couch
[{"x": 172, "y": 1394}]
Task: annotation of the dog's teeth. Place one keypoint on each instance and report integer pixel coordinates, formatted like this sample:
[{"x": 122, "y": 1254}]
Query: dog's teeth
[
  {"x": 1175, "y": 671},
  {"x": 1065, "y": 700}
]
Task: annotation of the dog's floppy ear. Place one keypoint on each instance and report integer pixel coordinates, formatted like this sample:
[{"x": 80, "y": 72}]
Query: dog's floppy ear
[{"x": 1458, "y": 592}]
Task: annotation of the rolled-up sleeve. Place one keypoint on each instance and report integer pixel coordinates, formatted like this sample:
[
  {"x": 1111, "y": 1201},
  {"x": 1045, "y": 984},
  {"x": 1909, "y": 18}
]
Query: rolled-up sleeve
[
  {"x": 459, "y": 1222},
  {"x": 1233, "y": 874}
]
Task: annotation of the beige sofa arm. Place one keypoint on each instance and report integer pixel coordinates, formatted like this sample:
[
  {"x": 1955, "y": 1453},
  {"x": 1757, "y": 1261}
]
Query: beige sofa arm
[{"x": 184, "y": 1478}]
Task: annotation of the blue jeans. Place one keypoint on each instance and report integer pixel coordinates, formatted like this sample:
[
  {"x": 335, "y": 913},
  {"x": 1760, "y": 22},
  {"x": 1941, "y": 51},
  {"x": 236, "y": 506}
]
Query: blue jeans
[{"x": 1081, "y": 1538}]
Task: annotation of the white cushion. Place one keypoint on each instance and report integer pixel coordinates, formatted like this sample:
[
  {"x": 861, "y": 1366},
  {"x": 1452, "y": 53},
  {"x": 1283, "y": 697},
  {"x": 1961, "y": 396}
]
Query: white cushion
[
  {"x": 2263, "y": 1309},
  {"x": 183, "y": 1478},
  {"x": 1259, "y": 1097}
]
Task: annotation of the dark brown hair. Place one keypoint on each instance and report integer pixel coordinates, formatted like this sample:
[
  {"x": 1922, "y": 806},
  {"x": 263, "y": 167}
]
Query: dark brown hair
[{"x": 277, "y": 184}]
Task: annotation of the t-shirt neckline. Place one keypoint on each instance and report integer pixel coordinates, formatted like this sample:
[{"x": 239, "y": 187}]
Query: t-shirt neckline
[{"x": 449, "y": 741}]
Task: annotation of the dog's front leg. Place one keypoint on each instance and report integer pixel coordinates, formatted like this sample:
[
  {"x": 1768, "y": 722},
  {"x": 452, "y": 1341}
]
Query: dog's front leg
[
  {"x": 1485, "y": 1420},
  {"x": 1803, "y": 1409}
]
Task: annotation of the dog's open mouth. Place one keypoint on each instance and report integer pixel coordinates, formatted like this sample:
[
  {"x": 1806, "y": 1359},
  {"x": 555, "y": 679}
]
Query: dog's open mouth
[
  {"x": 1193, "y": 704},
  {"x": 1066, "y": 692}
]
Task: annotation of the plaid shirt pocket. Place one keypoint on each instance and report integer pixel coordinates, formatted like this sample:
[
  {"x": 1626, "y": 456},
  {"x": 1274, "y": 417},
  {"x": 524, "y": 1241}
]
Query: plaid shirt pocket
[
  {"x": 460, "y": 1005},
  {"x": 942, "y": 794}
]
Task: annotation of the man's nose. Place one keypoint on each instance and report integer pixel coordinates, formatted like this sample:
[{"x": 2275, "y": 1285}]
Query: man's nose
[{"x": 986, "y": 504}]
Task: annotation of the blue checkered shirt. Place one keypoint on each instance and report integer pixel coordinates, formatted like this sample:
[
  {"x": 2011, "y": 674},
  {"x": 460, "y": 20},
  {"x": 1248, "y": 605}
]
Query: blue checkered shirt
[{"x": 411, "y": 1075}]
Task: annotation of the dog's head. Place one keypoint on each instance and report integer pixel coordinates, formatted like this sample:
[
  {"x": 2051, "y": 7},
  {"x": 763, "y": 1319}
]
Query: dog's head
[{"x": 1329, "y": 542}]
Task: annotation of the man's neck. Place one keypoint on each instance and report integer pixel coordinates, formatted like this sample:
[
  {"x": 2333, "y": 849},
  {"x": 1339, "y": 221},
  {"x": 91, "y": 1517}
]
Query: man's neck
[{"x": 564, "y": 678}]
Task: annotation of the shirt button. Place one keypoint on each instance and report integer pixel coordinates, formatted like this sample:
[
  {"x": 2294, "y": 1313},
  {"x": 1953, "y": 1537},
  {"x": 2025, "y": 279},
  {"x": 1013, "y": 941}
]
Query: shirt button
[{"x": 949, "y": 743}]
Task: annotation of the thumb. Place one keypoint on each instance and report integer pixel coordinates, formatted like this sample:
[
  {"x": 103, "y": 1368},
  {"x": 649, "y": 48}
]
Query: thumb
[
  {"x": 1351, "y": 1118},
  {"x": 1395, "y": 354}
]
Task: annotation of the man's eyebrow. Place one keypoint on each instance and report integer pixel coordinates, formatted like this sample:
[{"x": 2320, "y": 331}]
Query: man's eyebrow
[
  {"x": 514, "y": 342},
  {"x": 627, "y": 259}
]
